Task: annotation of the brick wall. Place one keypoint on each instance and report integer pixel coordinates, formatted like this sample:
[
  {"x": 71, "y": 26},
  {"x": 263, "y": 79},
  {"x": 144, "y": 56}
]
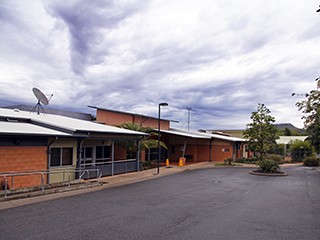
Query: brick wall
[
  {"x": 220, "y": 152},
  {"x": 21, "y": 159},
  {"x": 115, "y": 119},
  {"x": 119, "y": 152}
]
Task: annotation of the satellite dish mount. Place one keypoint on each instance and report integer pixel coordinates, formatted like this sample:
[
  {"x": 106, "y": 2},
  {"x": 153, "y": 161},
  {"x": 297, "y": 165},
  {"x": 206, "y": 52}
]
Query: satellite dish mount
[{"x": 42, "y": 99}]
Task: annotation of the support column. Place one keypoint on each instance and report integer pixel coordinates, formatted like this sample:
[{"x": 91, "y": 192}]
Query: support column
[
  {"x": 210, "y": 151},
  {"x": 112, "y": 157},
  {"x": 138, "y": 155}
]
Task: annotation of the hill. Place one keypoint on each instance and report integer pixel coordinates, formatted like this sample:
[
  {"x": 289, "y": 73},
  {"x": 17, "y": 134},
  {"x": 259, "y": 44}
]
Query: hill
[{"x": 287, "y": 129}]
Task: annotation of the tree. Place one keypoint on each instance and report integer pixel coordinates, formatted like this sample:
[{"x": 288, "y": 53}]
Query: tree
[
  {"x": 311, "y": 108},
  {"x": 146, "y": 143},
  {"x": 261, "y": 133},
  {"x": 287, "y": 132}
]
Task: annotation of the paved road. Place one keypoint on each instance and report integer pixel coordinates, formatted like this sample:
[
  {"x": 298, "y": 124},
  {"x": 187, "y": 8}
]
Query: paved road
[{"x": 224, "y": 203}]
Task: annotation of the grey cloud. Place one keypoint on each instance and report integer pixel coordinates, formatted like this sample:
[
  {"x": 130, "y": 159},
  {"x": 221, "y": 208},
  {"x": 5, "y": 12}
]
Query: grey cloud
[
  {"x": 156, "y": 63},
  {"x": 85, "y": 20}
]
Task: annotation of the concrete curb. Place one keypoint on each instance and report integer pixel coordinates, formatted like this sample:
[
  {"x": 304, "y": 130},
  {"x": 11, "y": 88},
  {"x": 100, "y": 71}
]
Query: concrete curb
[{"x": 283, "y": 174}]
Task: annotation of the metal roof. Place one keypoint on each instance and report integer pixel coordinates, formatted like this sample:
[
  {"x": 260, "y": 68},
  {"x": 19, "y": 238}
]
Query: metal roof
[
  {"x": 287, "y": 139},
  {"x": 12, "y": 128},
  {"x": 199, "y": 135},
  {"x": 131, "y": 114},
  {"x": 64, "y": 124},
  {"x": 183, "y": 133}
]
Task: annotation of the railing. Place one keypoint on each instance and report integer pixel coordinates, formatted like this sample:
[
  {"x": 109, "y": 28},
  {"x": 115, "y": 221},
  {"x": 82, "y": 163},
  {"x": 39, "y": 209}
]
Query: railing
[
  {"x": 93, "y": 164},
  {"x": 82, "y": 172}
]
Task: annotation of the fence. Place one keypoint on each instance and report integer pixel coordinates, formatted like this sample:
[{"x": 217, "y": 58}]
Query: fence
[{"x": 42, "y": 175}]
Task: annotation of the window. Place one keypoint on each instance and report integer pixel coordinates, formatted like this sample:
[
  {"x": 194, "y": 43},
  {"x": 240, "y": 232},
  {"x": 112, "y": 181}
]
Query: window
[
  {"x": 87, "y": 156},
  {"x": 88, "y": 152},
  {"x": 153, "y": 154},
  {"x": 55, "y": 157},
  {"x": 102, "y": 153},
  {"x": 225, "y": 150},
  {"x": 61, "y": 157}
]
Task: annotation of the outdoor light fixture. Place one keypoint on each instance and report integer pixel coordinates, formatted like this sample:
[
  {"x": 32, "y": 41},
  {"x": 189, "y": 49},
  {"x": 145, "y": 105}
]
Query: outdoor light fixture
[{"x": 159, "y": 148}]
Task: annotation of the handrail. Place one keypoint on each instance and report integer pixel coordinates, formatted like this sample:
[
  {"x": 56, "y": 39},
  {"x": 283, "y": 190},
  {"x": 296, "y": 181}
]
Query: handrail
[
  {"x": 47, "y": 172},
  {"x": 108, "y": 162}
]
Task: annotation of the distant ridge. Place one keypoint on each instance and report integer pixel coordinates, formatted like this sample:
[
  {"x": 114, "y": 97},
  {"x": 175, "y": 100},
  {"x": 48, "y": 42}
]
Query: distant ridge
[
  {"x": 283, "y": 126},
  {"x": 294, "y": 131}
]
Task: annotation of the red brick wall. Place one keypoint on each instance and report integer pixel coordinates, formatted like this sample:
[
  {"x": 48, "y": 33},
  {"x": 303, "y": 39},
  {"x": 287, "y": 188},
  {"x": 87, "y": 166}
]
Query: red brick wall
[
  {"x": 218, "y": 155},
  {"x": 23, "y": 158},
  {"x": 114, "y": 119},
  {"x": 119, "y": 152},
  {"x": 199, "y": 153}
]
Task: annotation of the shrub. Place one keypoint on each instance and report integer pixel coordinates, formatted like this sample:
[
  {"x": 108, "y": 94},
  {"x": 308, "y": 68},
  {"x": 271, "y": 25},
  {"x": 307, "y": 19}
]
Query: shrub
[
  {"x": 277, "y": 158},
  {"x": 269, "y": 166},
  {"x": 278, "y": 149},
  {"x": 300, "y": 149},
  {"x": 246, "y": 160},
  {"x": 228, "y": 161},
  {"x": 311, "y": 162}
]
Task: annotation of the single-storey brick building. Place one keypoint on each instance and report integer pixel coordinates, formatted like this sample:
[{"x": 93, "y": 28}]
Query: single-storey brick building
[
  {"x": 57, "y": 144},
  {"x": 195, "y": 146}
]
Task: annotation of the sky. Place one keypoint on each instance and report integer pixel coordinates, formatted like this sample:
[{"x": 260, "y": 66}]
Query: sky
[{"x": 219, "y": 57}]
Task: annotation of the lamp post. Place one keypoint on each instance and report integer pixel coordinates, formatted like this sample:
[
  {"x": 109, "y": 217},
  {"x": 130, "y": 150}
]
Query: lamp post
[{"x": 159, "y": 149}]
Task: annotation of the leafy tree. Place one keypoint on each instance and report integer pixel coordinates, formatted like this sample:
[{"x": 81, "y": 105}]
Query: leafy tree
[
  {"x": 146, "y": 143},
  {"x": 261, "y": 133},
  {"x": 287, "y": 132},
  {"x": 278, "y": 149},
  {"x": 300, "y": 150},
  {"x": 311, "y": 108}
]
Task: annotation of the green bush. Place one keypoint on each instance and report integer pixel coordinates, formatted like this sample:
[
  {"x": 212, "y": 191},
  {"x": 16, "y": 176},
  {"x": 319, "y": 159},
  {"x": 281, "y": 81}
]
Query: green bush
[
  {"x": 246, "y": 160},
  {"x": 268, "y": 166},
  {"x": 228, "y": 161},
  {"x": 300, "y": 150},
  {"x": 275, "y": 157},
  {"x": 277, "y": 149},
  {"x": 311, "y": 162}
]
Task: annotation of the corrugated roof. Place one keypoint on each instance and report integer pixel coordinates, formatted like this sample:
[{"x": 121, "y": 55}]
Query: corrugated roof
[
  {"x": 9, "y": 128},
  {"x": 287, "y": 139},
  {"x": 131, "y": 114},
  {"x": 65, "y": 123},
  {"x": 183, "y": 133},
  {"x": 199, "y": 135}
]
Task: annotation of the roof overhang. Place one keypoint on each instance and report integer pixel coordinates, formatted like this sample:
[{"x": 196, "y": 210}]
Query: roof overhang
[
  {"x": 198, "y": 135},
  {"x": 25, "y": 123}
]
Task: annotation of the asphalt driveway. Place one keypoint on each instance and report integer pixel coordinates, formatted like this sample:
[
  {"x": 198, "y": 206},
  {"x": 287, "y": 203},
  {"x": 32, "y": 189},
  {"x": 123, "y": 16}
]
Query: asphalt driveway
[{"x": 215, "y": 203}]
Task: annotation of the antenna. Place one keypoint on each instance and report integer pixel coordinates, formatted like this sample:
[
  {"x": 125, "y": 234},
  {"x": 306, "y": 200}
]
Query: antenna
[
  {"x": 189, "y": 110},
  {"x": 41, "y": 99}
]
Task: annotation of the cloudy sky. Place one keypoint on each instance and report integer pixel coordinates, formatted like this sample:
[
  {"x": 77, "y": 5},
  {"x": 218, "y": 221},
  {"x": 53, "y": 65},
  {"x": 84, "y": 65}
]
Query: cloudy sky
[{"x": 219, "y": 57}]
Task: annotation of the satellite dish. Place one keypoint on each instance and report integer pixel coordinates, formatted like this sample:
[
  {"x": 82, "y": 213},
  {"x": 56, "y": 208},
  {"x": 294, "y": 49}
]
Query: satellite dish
[
  {"x": 40, "y": 96},
  {"x": 41, "y": 99}
]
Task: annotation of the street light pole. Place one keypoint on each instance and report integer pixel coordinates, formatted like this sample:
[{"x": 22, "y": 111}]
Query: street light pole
[
  {"x": 159, "y": 148},
  {"x": 189, "y": 109}
]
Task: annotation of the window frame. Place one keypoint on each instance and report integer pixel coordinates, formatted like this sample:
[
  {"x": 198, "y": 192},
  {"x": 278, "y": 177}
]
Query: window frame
[{"x": 62, "y": 154}]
